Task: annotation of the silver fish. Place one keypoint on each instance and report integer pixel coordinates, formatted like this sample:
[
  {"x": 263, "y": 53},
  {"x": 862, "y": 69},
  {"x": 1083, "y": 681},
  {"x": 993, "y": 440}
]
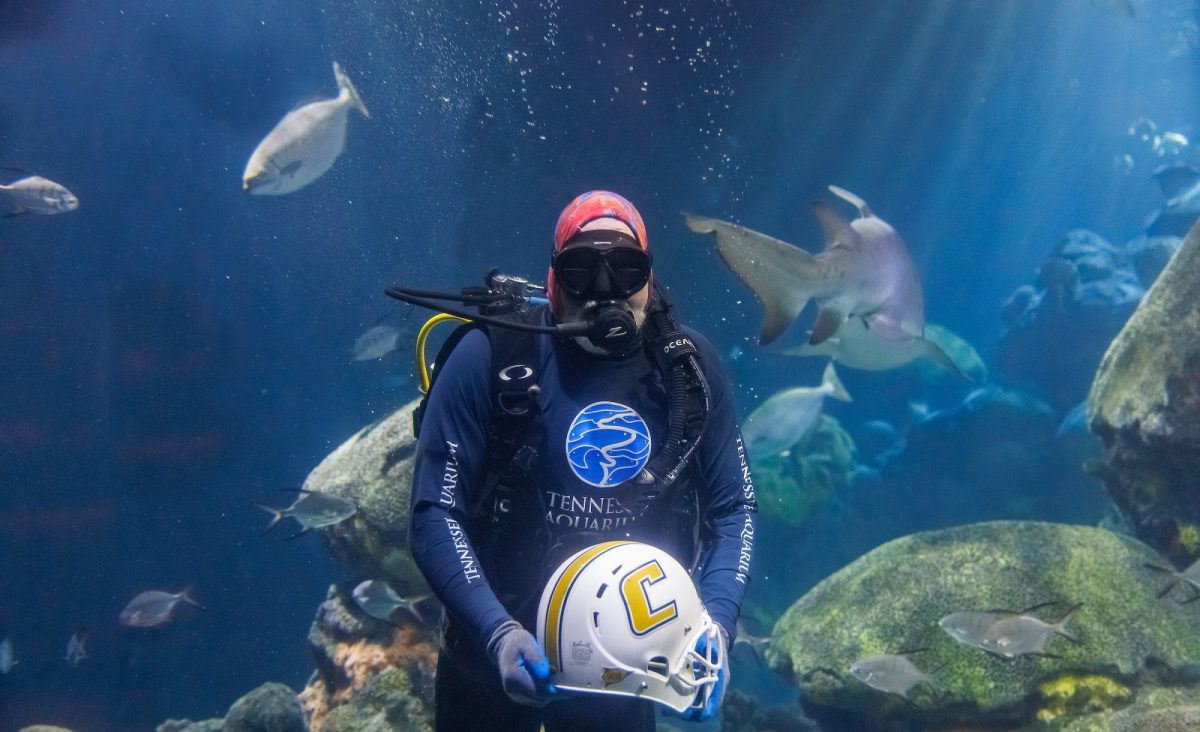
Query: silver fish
[
  {"x": 379, "y": 600},
  {"x": 1180, "y": 184},
  {"x": 785, "y": 417},
  {"x": 865, "y": 271},
  {"x": 376, "y": 342},
  {"x": 304, "y": 144},
  {"x": 894, "y": 674},
  {"x": 8, "y": 658},
  {"x": 35, "y": 195},
  {"x": 1190, "y": 577},
  {"x": 154, "y": 607},
  {"x": 311, "y": 511},
  {"x": 77, "y": 648},
  {"x": 1025, "y": 635},
  {"x": 970, "y": 628}
]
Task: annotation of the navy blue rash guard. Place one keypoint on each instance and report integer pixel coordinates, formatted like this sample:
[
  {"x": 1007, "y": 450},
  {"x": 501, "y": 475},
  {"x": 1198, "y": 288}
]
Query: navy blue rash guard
[{"x": 582, "y": 396}]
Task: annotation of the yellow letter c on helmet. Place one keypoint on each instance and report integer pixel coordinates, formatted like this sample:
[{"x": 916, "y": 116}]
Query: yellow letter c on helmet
[{"x": 635, "y": 591}]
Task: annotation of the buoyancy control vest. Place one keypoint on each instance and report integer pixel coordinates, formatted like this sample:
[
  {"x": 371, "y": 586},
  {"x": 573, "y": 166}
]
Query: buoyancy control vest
[{"x": 505, "y": 517}]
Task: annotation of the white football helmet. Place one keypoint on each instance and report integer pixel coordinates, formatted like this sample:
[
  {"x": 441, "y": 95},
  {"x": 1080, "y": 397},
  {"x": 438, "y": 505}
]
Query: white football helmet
[{"x": 624, "y": 618}]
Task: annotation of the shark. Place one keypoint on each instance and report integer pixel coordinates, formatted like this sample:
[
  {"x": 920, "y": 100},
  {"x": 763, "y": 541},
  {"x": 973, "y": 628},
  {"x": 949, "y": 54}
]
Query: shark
[
  {"x": 863, "y": 273},
  {"x": 854, "y": 345}
]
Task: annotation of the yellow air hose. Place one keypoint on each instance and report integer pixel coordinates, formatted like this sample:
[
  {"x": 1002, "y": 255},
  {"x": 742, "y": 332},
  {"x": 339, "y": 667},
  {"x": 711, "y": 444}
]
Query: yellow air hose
[{"x": 422, "y": 336}]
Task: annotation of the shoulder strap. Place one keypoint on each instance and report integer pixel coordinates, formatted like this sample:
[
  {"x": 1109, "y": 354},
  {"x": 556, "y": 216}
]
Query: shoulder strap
[{"x": 443, "y": 353}]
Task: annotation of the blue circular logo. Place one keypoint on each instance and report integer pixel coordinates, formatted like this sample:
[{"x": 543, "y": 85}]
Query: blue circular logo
[{"x": 608, "y": 444}]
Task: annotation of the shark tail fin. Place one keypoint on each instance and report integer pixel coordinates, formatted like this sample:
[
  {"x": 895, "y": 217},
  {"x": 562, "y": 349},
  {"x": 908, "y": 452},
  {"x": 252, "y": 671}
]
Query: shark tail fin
[
  {"x": 344, "y": 84},
  {"x": 851, "y": 199},
  {"x": 831, "y": 381}
]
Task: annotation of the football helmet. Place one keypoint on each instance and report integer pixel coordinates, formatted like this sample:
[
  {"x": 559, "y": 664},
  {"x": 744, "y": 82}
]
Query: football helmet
[{"x": 624, "y": 618}]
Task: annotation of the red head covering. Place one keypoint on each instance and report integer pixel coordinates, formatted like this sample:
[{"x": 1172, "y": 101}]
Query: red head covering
[{"x": 588, "y": 207}]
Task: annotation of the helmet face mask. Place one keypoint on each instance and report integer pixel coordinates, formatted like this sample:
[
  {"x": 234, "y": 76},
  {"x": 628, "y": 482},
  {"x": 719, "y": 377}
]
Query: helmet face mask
[{"x": 624, "y": 618}]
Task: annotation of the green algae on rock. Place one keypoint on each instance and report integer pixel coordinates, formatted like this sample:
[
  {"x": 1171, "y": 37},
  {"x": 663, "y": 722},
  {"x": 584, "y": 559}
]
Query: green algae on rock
[
  {"x": 374, "y": 470},
  {"x": 892, "y": 598},
  {"x": 1145, "y": 406}
]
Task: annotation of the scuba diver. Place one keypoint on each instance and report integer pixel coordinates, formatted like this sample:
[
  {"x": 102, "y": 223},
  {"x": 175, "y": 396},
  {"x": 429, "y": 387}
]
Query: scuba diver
[{"x": 594, "y": 417}]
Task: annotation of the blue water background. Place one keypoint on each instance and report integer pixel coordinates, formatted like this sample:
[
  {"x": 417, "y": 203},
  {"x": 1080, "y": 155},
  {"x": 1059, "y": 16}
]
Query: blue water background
[{"x": 176, "y": 349}]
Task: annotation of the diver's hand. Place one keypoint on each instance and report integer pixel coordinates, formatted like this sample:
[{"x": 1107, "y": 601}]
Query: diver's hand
[
  {"x": 524, "y": 670},
  {"x": 717, "y": 695}
]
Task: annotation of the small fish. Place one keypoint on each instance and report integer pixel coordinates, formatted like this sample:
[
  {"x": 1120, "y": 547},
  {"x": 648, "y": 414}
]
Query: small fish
[
  {"x": 784, "y": 418},
  {"x": 379, "y": 600},
  {"x": 757, "y": 644},
  {"x": 35, "y": 195},
  {"x": 894, "y": 674},
  {"x": 970, "y": 628},
  {"x": 154, "y": 607},
  {"x": 8, "y": 658},
  {"x": 1025, "y": 635},
  {"x": 311, "y": 511},
  {"x": 304, "y": 144},
  {"x": 77, "y": 648},
  {"x": 865, "y": 271},
  {"x": 377, "y": 342},
  {"x": 1189, "y": 577}
]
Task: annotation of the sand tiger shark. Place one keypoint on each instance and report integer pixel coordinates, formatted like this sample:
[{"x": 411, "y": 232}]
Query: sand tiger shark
[{"x": 864, "y": 272}]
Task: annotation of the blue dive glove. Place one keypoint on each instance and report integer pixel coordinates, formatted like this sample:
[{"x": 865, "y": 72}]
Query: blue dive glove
[
  {"x": 717, "y": 695},
  {"x": 524, "y": 670}
]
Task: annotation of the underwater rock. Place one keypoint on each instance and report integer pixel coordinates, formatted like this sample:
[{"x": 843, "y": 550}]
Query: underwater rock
[
  {"x": 1171, "y": 719},
  {"x": 374, "y": 470},
  {"x": 1150, "y": 255},
  {"x": 1145, "y": 406},
  {"x": 993, "y": 456},
  {"x": 1134, "y": 646},
  {"x": 187, "y": 725},
  {"x": 1055, "y": 333},
  {"x": 371, "y": 675},
  {"x": 740, "y": 713},
  {"x": 272, "y": 707}
]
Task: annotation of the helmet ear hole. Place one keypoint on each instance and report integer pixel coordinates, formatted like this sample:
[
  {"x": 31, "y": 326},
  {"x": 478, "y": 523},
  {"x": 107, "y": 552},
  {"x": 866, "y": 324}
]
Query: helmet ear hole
[{"x": 659, "y": 666}]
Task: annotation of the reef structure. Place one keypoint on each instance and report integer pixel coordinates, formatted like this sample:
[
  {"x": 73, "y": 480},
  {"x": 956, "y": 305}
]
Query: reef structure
[
  {"x": 372, "y": 676},
  {"x": 1145, "y": 406}
]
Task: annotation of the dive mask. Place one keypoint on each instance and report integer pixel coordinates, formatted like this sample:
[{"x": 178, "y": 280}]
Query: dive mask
[{"x": 602, "y": 265}]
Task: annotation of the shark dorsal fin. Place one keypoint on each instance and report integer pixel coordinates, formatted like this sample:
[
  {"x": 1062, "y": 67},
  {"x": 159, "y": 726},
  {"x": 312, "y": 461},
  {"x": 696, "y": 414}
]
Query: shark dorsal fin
[
  {"x": 1175, "y": 178},
  {"x": 835, "y": 229},
  {"x": 851, "y": 199}
]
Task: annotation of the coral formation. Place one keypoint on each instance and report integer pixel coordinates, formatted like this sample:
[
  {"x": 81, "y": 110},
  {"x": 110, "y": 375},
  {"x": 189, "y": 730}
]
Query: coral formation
[
  {"x": 368, "y": 669},
  {"x": 1074, "y": 695}
]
